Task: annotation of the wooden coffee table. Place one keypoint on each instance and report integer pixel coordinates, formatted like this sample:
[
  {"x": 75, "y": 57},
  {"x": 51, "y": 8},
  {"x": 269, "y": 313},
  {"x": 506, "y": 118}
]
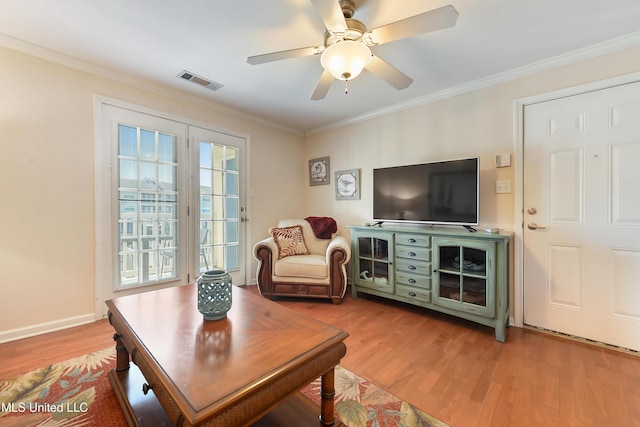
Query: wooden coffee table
[{"x": 228, "y": 372}]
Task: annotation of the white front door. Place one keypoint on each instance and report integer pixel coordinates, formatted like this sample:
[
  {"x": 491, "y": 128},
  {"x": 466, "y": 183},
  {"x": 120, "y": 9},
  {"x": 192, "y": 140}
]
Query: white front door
[{"x": 582, "y": 215}]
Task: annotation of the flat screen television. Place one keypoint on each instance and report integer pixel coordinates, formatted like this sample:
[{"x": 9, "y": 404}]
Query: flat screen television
[{"x": 445, "y": 192}]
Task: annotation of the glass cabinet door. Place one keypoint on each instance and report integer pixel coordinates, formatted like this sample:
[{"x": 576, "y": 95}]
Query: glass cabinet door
[
  {"x": 464, "y": 276},
  {"x": 374, "y": 261}
]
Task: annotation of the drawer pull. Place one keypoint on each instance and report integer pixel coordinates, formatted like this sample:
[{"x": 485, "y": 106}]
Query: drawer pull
[
  {"x": 412, "y": 294},
  {"x": 411, "y": 267},
  {"x": 412, "y": 281},
  {"x": 145, "y": 388},
  {"x": 412, "y": 240},
  {"x": 411, "y": 254}
]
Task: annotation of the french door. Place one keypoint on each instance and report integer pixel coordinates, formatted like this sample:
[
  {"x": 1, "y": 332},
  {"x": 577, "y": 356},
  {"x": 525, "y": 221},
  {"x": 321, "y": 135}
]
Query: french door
[
  {"x": 169, "y": 203},
  {"x": 221, "y": 214}
]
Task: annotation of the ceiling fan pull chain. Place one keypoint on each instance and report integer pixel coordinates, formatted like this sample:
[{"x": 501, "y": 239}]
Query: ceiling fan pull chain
[{"x": 346, "y": 87}]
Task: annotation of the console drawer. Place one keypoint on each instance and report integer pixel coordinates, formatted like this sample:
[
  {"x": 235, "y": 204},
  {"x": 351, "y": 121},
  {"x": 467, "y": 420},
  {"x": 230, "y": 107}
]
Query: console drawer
[
  {"x": 413, "y": 293},
  {"x": 413, "y": 266},
  {"x": 413, "y": 252},
  {"x": 413, "y": 240},
  {"x": 413, "y": 280}
]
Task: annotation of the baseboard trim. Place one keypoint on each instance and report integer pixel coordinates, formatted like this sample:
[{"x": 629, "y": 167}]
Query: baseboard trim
[{"x": 42, "y": 328}]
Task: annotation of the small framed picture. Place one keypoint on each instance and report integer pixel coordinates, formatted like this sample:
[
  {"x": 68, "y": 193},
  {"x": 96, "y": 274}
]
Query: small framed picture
[
  {"x": 319, "y": 171},
  {"x": 348, "y": 184}
]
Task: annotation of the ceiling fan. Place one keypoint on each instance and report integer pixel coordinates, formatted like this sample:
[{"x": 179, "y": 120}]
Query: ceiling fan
[{"x": 346, "y": 50}]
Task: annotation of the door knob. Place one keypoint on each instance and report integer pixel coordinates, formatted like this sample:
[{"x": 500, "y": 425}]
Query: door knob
[{"x": 534, "y": 226}]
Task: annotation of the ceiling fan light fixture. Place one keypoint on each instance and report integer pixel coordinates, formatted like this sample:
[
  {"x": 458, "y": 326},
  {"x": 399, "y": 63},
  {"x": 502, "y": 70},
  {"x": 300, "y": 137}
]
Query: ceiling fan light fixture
[{"x": 345, "y": 59}]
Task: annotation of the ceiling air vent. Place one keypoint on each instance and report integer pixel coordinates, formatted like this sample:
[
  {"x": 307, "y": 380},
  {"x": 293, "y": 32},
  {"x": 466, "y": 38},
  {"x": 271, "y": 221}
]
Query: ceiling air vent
[{"x": 200, "y": 80}]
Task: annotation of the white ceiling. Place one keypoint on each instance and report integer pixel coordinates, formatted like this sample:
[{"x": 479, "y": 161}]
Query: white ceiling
[{"x": 153, "y": 41}]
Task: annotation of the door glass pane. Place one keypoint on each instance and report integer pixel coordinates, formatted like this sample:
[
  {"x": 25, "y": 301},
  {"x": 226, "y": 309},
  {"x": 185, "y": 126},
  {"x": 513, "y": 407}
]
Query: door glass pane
[
  {"x": 167, "y": 150},
  {"x": 127, "y": 141},
  {"x": 364, "y": 245},
  {"x": 232, "y": 257},
  {"x": 148, "y": 174},
  {"x": 205, "y": 156},
  {"x": 450, "y": 258},
  {"x": 167, "y": 177},
  {"x": 474, "y": 291},
  {"x": 148, "y": 214},
  {"x": 218, "y": 233},
  {"x": 232, "y": 186},
  {"x": 218, "y": 157},
  {"x": 205, "y": 181},
  {"x": 218, "y": 182},
  {"x": 450, "y": 273},
  {"x": 449, "y": 286},
  {"x": 147, "y": 145},
  {"x": 231, "y": 235},
  {"x": 380, "y": 272},
  {"x": 232, "y": 207},
  {"x": 381, "y": 249},
  {"x": 366, "y": 268},
  {"x": 474, "y": 281},
  {"x": 128, "y": 173},
  {"x": 218, "y": 207}
]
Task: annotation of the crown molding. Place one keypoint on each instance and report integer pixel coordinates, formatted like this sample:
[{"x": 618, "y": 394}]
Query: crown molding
[
  {"x": 575, "y": 56},
  {"x": 578, "y": 55},
  {"x": 91, "y": 68}
]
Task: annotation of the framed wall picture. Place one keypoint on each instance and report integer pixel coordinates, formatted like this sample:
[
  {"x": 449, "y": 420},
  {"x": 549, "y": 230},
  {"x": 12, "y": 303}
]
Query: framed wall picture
[
  {"x": 348, "y": 184},
  {"x": 319, "y": 171}
]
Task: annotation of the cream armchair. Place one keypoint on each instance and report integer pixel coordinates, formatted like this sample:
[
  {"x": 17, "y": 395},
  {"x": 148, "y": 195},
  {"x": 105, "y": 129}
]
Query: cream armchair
[{"x": 306, "y": 266}]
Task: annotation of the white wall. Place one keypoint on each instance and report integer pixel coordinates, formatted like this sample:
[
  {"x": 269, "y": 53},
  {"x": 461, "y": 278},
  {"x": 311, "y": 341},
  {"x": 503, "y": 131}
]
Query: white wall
[{"x": 47, "y": 186}]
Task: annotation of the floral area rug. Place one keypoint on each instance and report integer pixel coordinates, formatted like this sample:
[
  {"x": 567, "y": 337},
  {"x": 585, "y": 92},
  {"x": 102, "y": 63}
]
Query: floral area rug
[
  {"x": 358, "y": 403},
  {"x": 73, "y": 393},
  {"x": 78, "y": 393}
]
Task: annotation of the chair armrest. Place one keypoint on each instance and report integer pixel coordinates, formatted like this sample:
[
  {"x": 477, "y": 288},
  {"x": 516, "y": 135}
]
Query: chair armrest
[
  {"x": 266, "y": 252},
  {"x": 338, "y": 242},
  {"x": 268, "y": 244}
]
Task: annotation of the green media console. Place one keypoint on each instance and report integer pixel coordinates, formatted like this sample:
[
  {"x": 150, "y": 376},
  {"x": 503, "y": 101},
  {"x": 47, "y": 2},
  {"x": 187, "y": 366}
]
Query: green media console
[{"x": 453, "y": 271}]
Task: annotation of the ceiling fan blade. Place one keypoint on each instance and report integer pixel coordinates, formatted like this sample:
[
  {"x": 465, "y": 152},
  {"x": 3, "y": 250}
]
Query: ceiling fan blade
[
  {"x": 331, "y": 14},
  {"x": 323, "y": 86},
  {"x": 389, "y": 73},
  {"x": 433, "y": 20},
  {"x": 283, "y": 54}
]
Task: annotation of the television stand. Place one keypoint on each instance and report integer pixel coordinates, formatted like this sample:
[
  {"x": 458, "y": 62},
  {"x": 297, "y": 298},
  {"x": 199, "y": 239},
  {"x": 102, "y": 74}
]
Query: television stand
[
  {"x": 470, "y": 229},
  {"x": 447, "y": 270}
]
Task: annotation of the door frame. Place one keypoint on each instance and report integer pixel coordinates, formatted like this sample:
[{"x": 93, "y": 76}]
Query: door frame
[
  {"x": 102, "y": 191},
  {"x": 518, "y": 216}
]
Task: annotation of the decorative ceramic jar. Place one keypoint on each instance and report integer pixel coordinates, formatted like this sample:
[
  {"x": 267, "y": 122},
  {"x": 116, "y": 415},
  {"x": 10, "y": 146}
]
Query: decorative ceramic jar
[{"x": 214, "y": 294}]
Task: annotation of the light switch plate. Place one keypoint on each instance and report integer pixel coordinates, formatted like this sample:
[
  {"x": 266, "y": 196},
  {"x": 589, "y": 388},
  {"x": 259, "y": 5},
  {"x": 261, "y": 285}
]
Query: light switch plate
[{"x": 503, "y": 187}]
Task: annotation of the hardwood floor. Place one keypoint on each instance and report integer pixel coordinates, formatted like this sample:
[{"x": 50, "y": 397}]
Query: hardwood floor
[{"x": 450, "y": 368}]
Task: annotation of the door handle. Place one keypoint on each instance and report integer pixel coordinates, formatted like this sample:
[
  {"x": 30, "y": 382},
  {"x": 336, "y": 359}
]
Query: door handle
[{"x": 534, "y": 226}]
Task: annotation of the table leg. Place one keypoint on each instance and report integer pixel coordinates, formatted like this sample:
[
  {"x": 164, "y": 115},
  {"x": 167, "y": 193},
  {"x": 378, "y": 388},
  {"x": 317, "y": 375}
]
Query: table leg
[
  {"x": 122, "y": 354},
  {"x": 327, "y": 395}
]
